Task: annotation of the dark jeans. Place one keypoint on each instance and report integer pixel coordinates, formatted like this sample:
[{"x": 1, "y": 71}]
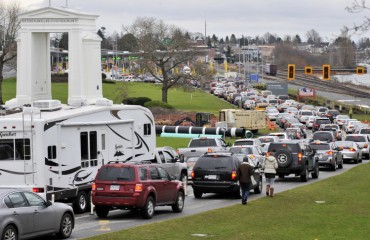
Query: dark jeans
[{"x": 246, "y": 187}]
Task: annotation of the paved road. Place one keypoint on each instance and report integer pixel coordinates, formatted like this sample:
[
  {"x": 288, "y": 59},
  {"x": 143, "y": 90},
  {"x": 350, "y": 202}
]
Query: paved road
[{"x": 90, "y": 225}]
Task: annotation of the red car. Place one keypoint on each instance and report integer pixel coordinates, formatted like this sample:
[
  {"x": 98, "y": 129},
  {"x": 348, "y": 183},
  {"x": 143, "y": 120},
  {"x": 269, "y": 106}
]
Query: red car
[{"x": 130, "y": 186}]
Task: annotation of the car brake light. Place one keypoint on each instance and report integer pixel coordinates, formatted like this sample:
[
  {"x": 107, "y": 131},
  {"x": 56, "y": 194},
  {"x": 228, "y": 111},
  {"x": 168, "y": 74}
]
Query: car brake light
[
  {"x": 38, "y": 190},
  {"x": 352, "y": 150},
  {"x": 300, "y": 157},
  {"x": 93, "y": 187},
  {"x": 329, "y": 152},
  {"x": 233, "y": 175},
  {"x": 209, "y": 150},
  {"x": 192, "y": 174},
  {"x": 139, "y": 187},
  {"x": 365, "y": 145}
]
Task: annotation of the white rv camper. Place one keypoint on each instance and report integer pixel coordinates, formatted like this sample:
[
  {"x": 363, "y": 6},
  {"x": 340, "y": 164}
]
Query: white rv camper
[{"x": 56, "y": 150}]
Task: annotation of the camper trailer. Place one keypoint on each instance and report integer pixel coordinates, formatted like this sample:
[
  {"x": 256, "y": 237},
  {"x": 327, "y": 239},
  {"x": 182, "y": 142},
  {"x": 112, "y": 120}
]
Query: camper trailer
[{"x": 56, "y": 150}]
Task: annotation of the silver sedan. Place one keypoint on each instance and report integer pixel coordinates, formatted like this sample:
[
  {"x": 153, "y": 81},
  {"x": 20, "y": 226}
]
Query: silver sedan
[
  {"x": 350, "y": 151},
  {"x": 25, "y": 214}
]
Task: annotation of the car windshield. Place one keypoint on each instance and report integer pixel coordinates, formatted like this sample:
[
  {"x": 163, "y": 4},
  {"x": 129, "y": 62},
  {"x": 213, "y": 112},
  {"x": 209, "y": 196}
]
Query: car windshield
[
  {"x": 203, "y": 143},
  {"x": 356, "y": 138},
  {"x": 289, "y": 147},
  {"x": 320, "y": 146},
  {"x": 322, "y": 121},
  {"x": 323, "y": 136},
  {"x": 111, "y": 173},
  {"x": 365, "y": 131},
  {"x": 307, "y": 113},
  {"x": 266, "y": 140},
  {"x": 345, "y": 144},
  {"x": 214, "y": 162},
  {"x": 241, "y": 150},
  {"x": 239, "y": 143}
]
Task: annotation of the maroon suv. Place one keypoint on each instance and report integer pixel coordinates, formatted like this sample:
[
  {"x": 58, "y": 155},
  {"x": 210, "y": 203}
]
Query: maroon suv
[{"x": 129, "y": 186}]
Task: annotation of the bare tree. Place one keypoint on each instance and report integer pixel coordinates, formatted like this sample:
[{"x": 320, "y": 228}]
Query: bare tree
[
  {"x": 356, "y": 7},
  {"x": 11, "y": 24},
  {"x": 165, "y": 49},
  {"x": 313, "y": 36}
]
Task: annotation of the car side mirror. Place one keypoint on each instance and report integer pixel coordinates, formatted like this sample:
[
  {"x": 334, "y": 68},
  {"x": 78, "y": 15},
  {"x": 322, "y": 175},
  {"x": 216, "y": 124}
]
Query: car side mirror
[
  {"x": 172, "y": 177},
  {"x": 181, "y": 158},
  {"x": 48, "y": 203}
]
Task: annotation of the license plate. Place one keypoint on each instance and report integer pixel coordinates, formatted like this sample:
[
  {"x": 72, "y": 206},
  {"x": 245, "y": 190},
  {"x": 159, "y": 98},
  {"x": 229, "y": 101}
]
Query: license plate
[
  {"x": 114, "y": 187},
  {"x": 211, "y": 177}
]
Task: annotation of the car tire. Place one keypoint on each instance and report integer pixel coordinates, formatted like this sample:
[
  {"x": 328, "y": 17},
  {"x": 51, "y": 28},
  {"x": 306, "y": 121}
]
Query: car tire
[
  {"x": 340, "y": 165},
  {"x": 238, "y": 194},
  {"x": 10, "y": 233},
  {"x": 178, "y": 206},
  {"x": 357, "y": 160},
  {"x": 334, "y": 166},
  {"x": 304, "y": 174},
  {"x": 316, "y": 171},
  {"x": 284, "y": 158},
  {"x": 197, "y": 193},
  {"x": 149, "y": 208},
  {"x": 66, "y": 226},
  {"x": 81, "y": 203},
  {"x": 102, "y": 211},
  {"x": 259, "y": 186}
]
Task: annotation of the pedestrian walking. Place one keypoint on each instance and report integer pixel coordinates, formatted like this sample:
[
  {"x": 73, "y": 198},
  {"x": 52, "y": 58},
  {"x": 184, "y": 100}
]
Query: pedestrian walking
[
  {"x": 269, "y": 166},
  {"x": 245, "y": 171}
]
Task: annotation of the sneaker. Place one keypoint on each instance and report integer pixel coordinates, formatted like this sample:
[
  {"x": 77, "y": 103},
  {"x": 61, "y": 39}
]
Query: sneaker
[{"x": 267, "y": 193}]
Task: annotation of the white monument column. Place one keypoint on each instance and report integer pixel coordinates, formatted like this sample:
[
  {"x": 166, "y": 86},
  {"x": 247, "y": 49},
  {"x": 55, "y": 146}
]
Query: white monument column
[
  {"x": 76, "y": 90},
  {"x": 33, "y": 60}
]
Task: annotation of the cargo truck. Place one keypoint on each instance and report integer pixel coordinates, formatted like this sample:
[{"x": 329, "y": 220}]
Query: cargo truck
[{"x": 252, "y": 120}]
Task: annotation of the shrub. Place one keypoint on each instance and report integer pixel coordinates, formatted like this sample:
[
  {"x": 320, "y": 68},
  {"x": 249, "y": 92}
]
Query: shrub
[
  {"x": 158, "y": 104},
  {"x": 136, "y": 101},
  {"x": 109, "y": 81},
  {"x": 142, "y": 100}
]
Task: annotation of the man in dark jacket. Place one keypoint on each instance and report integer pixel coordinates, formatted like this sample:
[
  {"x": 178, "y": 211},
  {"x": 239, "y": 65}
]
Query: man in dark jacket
[{"x": 245, "y": 171}]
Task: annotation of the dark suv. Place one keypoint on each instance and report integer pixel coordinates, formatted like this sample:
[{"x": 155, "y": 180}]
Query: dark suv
[
  {"x": 141, "y": 186},
  {"x": 294, "y": 158},
  {"x": 318, "y": 121},
  {"x": 217, "y": 173}
]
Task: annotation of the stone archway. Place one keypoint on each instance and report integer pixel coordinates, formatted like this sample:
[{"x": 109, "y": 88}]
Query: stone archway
[{"x": 33, "y": 61}]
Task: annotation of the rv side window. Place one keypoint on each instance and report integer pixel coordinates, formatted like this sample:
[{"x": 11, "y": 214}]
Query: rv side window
[
  {"x": 147, "y": 129},
  {"x": 93, "y": 145},
  {"x": 84, "y": 146},
  {"x": 52, "y": 152},
  {"x": 103, "y": 142},
  {"x": 14, "y": 149},
  {"x": 89, "y": 149}
]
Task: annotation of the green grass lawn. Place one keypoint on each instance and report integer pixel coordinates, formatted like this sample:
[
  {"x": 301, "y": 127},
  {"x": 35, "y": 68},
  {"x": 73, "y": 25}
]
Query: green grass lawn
[
  {"x": 335, "y": 208},
  {"x": 196, "y": 100}
]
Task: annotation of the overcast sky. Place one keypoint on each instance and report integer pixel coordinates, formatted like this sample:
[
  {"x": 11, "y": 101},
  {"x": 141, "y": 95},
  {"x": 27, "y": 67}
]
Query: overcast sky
[{"x": 224, "y": 17}]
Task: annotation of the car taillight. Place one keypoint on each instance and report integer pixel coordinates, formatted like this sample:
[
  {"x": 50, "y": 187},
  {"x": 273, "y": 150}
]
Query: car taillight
[
  {"x": 352, "y": 150},
  {"x": 365, "y": 145},
  {"x": 38, "y": 190},
  {"x": 329, "y": 153},
  {"x": 192, "y": 175},
  {"x": 233, "y": 175},
  {"x": 93, "y": 187},
  {"x": 300, "y": 157},
  {"x": 139, "y": 187}
]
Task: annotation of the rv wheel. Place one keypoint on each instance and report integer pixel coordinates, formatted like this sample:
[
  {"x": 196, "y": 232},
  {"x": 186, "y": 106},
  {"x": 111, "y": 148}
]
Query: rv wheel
[{"x": 81, "y": 202}]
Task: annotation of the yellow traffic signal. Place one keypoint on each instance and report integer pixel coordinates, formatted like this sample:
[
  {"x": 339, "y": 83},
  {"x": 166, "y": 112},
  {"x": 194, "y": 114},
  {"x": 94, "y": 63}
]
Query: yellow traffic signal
[
  {"x": 360, "y": 70},
  {"x": 308, "y": 70},
  {"x": 326, "y": 72},
  {"x": 291, "y": 71}
]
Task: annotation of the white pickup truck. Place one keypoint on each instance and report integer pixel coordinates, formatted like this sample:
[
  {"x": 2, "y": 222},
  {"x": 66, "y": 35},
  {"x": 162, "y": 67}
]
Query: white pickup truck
[{"x": 199, "y": 146}]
